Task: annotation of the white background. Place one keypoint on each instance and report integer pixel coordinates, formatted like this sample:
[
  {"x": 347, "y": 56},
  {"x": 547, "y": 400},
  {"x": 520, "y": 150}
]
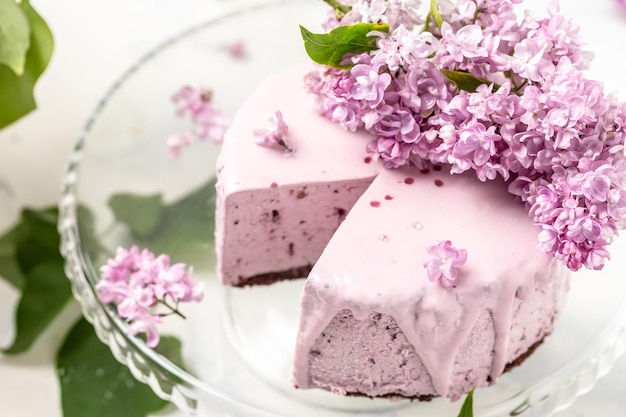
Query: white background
[{"x": 94, "y": 42}]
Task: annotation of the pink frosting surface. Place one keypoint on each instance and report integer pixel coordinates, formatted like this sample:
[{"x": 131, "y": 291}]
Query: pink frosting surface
[
  {"x": 324, "y": 152},
  {"x": 374, "y": 265},
  {"x": 276, "y": 212}
]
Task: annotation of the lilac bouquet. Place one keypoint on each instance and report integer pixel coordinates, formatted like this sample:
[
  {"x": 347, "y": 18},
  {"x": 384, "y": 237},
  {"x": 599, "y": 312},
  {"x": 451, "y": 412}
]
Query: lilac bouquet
[
  {"x": 473, "y": 86},
  {"x": 146, "y": 289}
]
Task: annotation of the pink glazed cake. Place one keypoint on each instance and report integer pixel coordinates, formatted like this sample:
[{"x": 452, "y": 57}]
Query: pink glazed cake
[{"x": 372, "y": 323}]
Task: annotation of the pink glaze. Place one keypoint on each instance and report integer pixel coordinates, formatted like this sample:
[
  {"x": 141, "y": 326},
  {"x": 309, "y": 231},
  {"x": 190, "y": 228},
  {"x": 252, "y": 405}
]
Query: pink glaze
[
  {"x": 373, "y": 323},
  {"x": 312, "y": 189}
]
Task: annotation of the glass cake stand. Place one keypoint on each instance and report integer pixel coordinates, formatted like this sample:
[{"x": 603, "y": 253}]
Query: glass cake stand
[{"x": 238, "y": 343}]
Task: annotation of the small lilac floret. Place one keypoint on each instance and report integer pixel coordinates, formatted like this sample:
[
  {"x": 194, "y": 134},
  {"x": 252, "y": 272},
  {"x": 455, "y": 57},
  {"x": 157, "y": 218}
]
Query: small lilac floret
[
  {"x": 237, "y": 49},
  {"x": 275, "y": 137},
  {"x": 177, "y": 141},
  {"x": 143, "y": 285},
  {"x": 369, "y": 85},
  {"x": 209, "y": 121},
  {"x": 443, "y": 263}
]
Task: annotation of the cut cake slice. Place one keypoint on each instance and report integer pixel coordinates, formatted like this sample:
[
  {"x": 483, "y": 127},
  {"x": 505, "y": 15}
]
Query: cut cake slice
[
  {"x": 373, "y": 324},
  {"x": 276, "y": 211}
]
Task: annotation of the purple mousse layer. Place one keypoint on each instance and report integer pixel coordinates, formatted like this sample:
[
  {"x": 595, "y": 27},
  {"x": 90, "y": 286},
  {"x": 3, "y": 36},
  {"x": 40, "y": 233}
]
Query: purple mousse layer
[
  {"x": 275, "y": 213},
  {"x": 269, "y": 233},
  {"x": 373, "y": 323}
]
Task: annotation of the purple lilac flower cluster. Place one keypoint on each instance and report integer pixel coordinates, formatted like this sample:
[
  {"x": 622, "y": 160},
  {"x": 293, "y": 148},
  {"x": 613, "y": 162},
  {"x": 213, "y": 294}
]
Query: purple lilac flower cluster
[
  {"x": 535, "y": 120},
  {"x": 210, "y": 122},
  {"x": 140, "y": 282}
]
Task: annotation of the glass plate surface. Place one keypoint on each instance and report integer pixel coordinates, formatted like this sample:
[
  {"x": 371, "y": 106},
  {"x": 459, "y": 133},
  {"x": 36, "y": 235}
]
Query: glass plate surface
[{"x": 238, "y": 343}]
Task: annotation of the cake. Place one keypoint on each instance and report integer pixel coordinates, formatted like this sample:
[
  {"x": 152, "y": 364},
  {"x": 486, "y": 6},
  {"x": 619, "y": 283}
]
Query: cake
[
  {"x": 438, "y": 189},
  {"x": 355, "y": 221}
]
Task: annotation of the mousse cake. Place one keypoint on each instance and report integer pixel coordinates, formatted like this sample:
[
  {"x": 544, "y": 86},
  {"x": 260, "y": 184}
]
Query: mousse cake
[{"x": 372, "y": 322}]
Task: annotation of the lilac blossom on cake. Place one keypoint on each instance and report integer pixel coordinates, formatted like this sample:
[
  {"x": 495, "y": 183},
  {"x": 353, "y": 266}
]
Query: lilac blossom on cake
[
  {"x": 276, "y": 137},
  {"x": 535, "y": 119},
  {"x": 443, "y": 263}
]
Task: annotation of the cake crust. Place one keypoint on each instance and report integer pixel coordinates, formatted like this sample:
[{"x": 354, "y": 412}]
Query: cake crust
[{"x": 273, "y": 277}]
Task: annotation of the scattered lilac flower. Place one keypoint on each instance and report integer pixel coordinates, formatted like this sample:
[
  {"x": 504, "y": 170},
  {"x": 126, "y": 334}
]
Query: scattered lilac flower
[
  {"x": 209, "y": 121},
  {"x": 146, "y": 289},
  {"x": 622, "y": 5},
  {"x": 237, "y": 50},
  {"x": 536, "y": 119},
  {"x": 443, "y": 263},
  {"x": 177, "y": 141},
  {"x": 277, "y": 136}
]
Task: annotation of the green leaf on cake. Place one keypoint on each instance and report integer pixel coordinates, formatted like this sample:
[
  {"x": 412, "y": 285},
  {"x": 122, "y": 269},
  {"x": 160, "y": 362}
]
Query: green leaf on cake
[
  {"x": 465, "y": 81},
  {"x": 14, "y": 36},
  {"x": 467, "y": 410},
  {"x": 16, "y": 89},
  {"x": 182, "y": 229},
  {"x": 94, "y": 384},
  {"x": 335, "y": 47}
]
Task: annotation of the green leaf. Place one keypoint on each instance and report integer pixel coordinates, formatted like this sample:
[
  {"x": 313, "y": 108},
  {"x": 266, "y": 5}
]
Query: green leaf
[
  {"x": 16, "y": 91},
  {"x": 40, "y": 240},
  {"x": 45, "y": 288},
  {"x": 467, "y": 410},
  {"x": 334, "y": 47},
  {"x": 29, "y": 234},
  {"x": 34, "y": 262},
  {"x": 140, "y": 213},
  {"x": 184, "y": 228},
  {"x": 86, "y": 227},
  {"x": 46, "y": 291},
  {"x": 465, "y": 81},
  {"x": 94, "y": 384},
  {"x": 171, "y": 348},
  {"x": 14, "y": 36},
  {"x": 9, "y": 268}
]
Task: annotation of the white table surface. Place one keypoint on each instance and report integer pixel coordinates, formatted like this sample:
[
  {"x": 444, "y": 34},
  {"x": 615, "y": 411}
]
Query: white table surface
[{"x": 94, "y": 42}]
